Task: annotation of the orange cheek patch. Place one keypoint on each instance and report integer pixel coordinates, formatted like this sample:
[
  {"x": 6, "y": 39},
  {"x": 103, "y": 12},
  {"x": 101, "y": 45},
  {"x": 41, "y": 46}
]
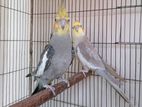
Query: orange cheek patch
[
  {"x": 83, "y": 30},
  {"x": 56, "y": 26}
]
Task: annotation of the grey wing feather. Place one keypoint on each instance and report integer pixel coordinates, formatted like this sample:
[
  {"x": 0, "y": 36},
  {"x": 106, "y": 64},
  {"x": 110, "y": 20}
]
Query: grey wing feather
[
  {"x": 113, "y": 72},
  {"x": 88, "y": 52},
  {"x": 73, "y": 55},
  {"x": 116, "y": 87},
  {"x": 47, "y": 54},
  {"x": 51, "y": 35},
  {"x": 94, "y": 62},
  {"x": 50, "y": 52},
  {"x": 41, "y": 56}
]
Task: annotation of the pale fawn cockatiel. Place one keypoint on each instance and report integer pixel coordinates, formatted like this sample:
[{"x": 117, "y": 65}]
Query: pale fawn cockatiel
[
  {"x": 90, "y": 59},
  {"x": 56, "y": 56}
]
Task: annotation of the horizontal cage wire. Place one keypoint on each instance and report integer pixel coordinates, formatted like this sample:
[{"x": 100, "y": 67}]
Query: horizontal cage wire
[{"x": 114, "y": 27}]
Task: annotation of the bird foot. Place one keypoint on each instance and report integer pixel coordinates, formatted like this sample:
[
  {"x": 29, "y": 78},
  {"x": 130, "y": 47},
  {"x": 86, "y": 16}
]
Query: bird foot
[
  {"x": 84, "y": 71},
  {"x": 51, "y": 88},
  {"x": 66, "y": 81}
]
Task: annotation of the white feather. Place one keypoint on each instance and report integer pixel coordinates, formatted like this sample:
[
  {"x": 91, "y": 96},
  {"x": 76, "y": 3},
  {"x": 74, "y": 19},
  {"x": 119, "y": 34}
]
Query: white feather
[
  {"x": 85, "y": 62},
  {"x": 100, "y": 72},
  {"x": 42, "y": 65}
]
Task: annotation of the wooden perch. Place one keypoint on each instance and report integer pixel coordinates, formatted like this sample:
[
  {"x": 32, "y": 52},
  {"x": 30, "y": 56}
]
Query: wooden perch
[{"x": 45, "y": 95}]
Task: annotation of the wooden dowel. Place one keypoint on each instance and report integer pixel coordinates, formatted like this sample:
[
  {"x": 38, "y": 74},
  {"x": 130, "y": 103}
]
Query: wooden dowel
[{"x": 45, "y": 95}]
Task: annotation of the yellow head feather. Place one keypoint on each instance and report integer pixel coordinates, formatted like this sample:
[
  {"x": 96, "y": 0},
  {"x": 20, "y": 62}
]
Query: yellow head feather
[
  {"x": 62, "y": 14},
  {"x": 78, "y": 29},
  {"x": 76, "y": 23},
  {"x": 59, "y": 31},
  {"x": 78, "y": 33}
]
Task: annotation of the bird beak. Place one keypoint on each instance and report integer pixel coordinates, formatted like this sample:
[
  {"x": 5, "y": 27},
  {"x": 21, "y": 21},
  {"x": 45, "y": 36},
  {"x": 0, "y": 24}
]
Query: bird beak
[
  {"x": 63, "y": 23},
  {"x": 77, "y": 28}
]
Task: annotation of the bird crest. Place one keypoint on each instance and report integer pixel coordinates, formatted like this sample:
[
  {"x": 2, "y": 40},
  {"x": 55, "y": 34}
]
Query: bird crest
[
  {"x": 62, "y": 12},
  {"x": 76, "y": 23},
  {"x": 78, "y": 29}
]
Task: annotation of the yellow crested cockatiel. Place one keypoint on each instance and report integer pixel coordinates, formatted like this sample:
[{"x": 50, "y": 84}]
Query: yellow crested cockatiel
[
  {"x": 56, "y": 56},
  {"x": 90, "y": 59}
]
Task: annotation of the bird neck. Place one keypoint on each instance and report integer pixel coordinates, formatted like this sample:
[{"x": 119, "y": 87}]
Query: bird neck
[
  {"x": 78, "y": 39},
  {"x": 60, "y": 32}
]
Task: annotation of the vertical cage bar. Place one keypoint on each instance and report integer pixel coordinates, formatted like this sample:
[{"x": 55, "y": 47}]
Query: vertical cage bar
[
  {"x": 3, "y": 70},
  {"x": 130, "y": 49},
  {"x": 31, "y": 46},
  {"x": 115, "y": 44},
  {"x": 136, "y": 49},
  {"x": 140, "y": 40}
]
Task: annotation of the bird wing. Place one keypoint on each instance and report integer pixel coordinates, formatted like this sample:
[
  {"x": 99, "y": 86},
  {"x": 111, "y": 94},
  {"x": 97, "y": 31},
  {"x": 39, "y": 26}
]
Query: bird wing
[
  {"x": 113, "y": 72},
  {"x": 51, "y": 35},
  {"x": 43, "y": 65},
  {"x": 73, "y": 55},
  {"x": 45, "y": 61},
  {"x": 90, "y": 58},
  {"x": 86, "y": 50}
]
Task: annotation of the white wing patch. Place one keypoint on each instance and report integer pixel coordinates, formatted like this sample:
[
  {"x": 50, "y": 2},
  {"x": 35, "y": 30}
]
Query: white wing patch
[
  {"x": 42, "y": 65},
  {"x": 85, "y": 62}
]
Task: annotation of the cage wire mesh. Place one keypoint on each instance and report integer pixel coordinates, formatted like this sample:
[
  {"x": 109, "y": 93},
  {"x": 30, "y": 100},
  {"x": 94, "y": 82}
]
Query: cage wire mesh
[{"x": 113, "y": 26}]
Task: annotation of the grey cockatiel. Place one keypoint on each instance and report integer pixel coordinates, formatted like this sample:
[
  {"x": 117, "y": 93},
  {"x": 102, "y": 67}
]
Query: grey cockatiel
[
  {"x": 90, "y": 59},
  {"x": 57, "y": 55}
]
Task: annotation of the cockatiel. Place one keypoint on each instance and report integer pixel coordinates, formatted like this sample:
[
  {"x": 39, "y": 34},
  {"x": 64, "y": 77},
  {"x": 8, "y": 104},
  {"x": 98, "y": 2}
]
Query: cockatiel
[
  {"x": 90, "y": 59},
  {"x": 57, "y": 55}
]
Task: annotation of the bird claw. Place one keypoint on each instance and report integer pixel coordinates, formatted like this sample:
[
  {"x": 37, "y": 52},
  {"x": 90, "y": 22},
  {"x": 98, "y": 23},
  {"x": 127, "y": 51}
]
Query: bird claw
[
  {"x": 84, "y": 71},
  {"x": 66, "y": 81},
  {"x": 51, "y": 88}
]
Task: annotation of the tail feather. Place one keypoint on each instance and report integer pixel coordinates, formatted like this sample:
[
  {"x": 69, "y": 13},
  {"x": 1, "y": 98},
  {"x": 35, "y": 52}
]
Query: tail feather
[
  {"x": 112, "y": 71},
  {"x": 38, "y": 88},
  {"x": 109, "y": 79},
  {"x": 122, "y": 94},
  {"x": 29, "y": 75}
]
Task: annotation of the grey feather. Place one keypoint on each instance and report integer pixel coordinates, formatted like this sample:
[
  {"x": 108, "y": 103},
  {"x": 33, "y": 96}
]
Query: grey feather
[
  {"x": 105, "y": 75},
  {"x": 59, "y": 55},
  {"x": 62, "y": 57},
  {"x": 89, "y": 58},
  {"x": 50, "y": 52},
  {"x": 38, "y": 87},
  {"x": 73, "y": 55}
]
